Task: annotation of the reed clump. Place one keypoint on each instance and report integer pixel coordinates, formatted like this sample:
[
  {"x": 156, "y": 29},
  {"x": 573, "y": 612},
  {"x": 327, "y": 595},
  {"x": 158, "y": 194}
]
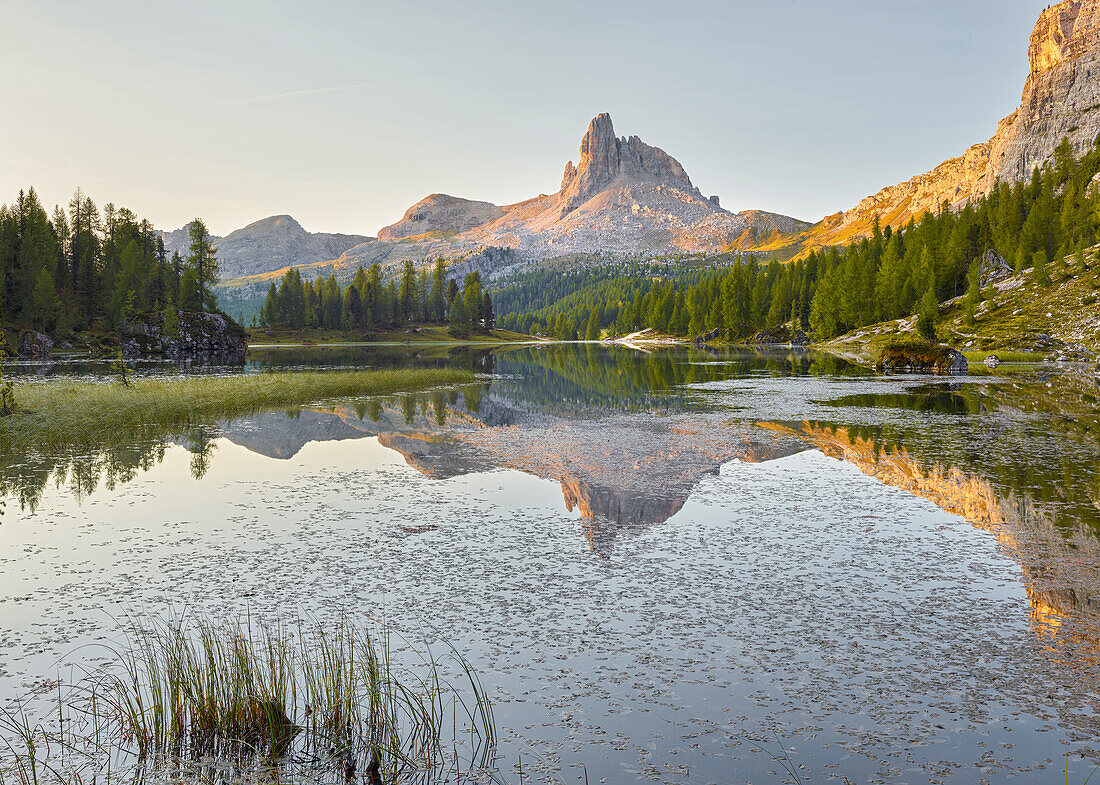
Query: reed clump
[
  {"x": 303, "y": 702},
  {"x": 55, "y": 416}
]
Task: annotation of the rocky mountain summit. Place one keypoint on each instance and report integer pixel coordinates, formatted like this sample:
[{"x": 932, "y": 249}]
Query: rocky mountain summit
[
  {"x": 623, "y": 197},
  {"x": 269, "y": 244},
  {"x": 1061, "y": 99}
]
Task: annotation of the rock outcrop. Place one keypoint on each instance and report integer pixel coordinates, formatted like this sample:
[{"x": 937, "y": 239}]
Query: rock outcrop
[
  {"x": 779, "y": 336},
  {"x": 197, "y": 336},
  {"x": 34, "y": 345},
  {"x": 993, "y": 269},
  {"x": 1061, "y": 99}
]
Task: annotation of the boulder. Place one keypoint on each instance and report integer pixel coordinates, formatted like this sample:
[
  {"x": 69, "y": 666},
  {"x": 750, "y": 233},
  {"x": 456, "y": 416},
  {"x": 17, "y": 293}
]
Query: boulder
[
  {"x": 34, "y": 345},
  {"x": 210, "y": 334},
  {"x": 706, "y": 337},
  {"x": 923, "y": 358},
  {"x": 1074, "y": 353},
  {"x": 780, "y": 336},
  {"x": 992, "y": 361}
]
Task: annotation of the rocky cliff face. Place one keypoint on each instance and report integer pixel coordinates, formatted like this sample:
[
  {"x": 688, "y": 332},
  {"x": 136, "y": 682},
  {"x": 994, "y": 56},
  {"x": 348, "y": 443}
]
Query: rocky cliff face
[
  {"x": 1061, "y": 96},
  {"x": 269, "y": 244},
  {"x": 604, "y": 158},
  {"x": 1061, "y": 99}
]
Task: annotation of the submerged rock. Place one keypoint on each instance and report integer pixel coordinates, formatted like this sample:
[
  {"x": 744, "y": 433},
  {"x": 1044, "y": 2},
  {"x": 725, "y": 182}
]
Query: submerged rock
[{"x": 34, "y": 345}]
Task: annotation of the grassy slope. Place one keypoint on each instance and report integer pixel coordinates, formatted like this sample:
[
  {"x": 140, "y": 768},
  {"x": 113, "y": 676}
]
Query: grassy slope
[
  {"x": 1015, "y": 312},
  {"x": 54, "y": 416},
  {"x": 423, "y": 334}
]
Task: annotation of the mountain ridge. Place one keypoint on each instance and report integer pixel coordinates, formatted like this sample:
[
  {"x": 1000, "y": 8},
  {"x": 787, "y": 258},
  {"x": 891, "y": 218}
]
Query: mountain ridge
[
  {"x": 1060, "y": 99},
  {"x": 622, "y": 197},
  {"x": 271, "y": 243}
]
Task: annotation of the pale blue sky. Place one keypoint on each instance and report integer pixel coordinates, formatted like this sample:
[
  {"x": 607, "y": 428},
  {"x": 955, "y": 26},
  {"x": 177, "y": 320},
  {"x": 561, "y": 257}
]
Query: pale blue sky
[{"x": 343, "y": 114}]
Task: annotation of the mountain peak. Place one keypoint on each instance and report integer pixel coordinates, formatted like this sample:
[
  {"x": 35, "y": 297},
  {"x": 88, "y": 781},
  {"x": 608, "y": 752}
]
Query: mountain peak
[
  {"x": 284, "y": 223},
  {"x": 605, "y": 157}
]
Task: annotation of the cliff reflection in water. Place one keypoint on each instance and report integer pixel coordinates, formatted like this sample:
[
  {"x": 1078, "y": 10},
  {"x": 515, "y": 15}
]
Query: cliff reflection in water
[{"x": 1055, "y": 542}]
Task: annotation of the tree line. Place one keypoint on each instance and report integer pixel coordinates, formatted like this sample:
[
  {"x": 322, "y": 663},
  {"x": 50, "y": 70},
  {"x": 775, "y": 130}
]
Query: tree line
[
  {"x": 81, "y": 267},
  {"x": 889, "y": 275},
  {"x": 370, "y": 303}
]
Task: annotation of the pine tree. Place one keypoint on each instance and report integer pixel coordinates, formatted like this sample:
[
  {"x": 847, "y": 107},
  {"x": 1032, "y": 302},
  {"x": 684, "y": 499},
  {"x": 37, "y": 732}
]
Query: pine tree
[
  {"x": 974, "y": 291},
  {"x": 407, "y": 294},
  {"x": 928, "y": 314},
  {"x": 472, "y": 300},
  {"x": 488, "y": 315},
  {"x": 592, "y": 331},
  {"x": 45, "y": 305},
  {"x": 436, "y": 302},
  {"x": 203, "y": 261},
  {"x": 1039, "y": 268},
  {"x": 459, "y": 322}
]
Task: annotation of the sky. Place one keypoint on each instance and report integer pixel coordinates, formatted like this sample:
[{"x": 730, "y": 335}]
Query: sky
[{"x": 343, "y": 113}]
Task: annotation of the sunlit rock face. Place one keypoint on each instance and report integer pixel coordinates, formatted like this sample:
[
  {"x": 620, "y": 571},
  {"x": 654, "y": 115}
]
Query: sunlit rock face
[
  {"x": 1061, "y": 99},
  {"x": 1059, "y": 558},
  {"x": 604, "y": 157}
]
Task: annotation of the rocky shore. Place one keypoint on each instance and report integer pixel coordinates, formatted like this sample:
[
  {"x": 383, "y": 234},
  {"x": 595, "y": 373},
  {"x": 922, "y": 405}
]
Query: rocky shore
[{"x": 192, "y": 335}]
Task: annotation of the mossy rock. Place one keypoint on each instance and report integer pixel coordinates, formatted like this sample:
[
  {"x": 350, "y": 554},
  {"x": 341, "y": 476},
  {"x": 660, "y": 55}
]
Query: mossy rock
[{"x": 921, "y": 357}]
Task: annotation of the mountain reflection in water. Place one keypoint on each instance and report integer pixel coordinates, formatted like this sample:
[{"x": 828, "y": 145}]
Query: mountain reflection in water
[{"x": 629, "y": 436}]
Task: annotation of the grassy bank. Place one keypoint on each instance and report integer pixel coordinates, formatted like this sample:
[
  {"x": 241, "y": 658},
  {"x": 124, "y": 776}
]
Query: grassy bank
[
  {"x": 55, "y": 416},
  {"x": 1005, "y": 356},
  {"x": 427, "y": 334}
]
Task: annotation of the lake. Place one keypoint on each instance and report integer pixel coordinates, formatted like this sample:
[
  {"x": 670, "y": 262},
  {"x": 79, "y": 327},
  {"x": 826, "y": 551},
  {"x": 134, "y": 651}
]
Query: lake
[{"x": 672, "y": 566}]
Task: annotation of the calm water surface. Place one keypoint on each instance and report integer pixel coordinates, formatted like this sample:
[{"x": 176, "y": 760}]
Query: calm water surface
[{"x": 664, "y": 565}]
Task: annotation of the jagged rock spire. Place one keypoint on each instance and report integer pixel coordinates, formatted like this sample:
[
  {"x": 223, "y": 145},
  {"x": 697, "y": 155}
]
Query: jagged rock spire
[{"x": 604, "y": 157}]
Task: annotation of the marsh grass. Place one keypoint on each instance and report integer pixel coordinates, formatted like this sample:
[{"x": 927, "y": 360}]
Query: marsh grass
[
  {"x": 306, "y": 702},
  {"x": 1005, "y": 356},
  {"x": 57, "y": 416}
]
